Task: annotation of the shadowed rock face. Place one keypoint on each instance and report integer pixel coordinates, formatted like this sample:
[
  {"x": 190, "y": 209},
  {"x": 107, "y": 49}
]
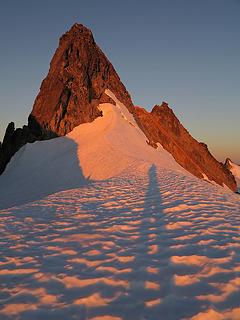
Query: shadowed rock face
[
  {"x": 13, "y": 140},
  {"x": 161, "y": 125},
  {"x": 78, "y": 76}
]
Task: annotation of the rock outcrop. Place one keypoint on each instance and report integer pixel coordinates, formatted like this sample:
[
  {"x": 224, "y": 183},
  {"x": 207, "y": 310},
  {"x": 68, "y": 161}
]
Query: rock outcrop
[
  {"x": 161, "y": 125},
  {"x": 13, "y": 140},
  {"x": 228, "y": 163}
]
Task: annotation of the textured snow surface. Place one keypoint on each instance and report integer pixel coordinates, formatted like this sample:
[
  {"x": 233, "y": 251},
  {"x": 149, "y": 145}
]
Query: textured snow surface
[{"x": 118, "y": 231}]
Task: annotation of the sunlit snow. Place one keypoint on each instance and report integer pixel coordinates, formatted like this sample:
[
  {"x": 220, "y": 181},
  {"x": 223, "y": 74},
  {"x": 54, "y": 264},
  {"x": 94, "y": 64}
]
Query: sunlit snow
[{"x": 115, "y": 230}]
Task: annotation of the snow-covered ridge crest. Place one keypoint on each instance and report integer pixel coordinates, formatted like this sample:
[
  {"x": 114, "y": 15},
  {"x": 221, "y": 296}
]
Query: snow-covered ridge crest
[
  {"x": 114, "y": 222},
  {"x": 92, "y": 151},
  {"x": 111, "y": 143},
  {"x": 95, "y": 151}
]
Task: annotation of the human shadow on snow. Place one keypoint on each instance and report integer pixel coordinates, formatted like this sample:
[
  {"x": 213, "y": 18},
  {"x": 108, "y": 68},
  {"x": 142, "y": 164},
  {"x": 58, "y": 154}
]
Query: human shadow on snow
[{"x": 110, "y": 255}]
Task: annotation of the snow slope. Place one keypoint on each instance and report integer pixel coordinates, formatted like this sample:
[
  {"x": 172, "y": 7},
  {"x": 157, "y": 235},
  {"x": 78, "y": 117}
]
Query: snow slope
[
  {"x": 235, "y": 169},
  {"x": 96, "y": 151},
  {"x": 115, "y": 230}
]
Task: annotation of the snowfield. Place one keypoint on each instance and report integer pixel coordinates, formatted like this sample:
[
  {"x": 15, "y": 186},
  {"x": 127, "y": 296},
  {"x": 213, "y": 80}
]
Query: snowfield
[{"x": 98, "y": 225}]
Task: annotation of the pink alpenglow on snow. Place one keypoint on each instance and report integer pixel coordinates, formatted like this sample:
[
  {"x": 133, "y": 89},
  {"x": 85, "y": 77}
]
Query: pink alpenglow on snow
[{"x": 99, "y": 225}]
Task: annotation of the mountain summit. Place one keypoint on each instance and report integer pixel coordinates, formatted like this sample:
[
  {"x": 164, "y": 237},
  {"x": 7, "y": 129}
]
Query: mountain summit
[
  {"x": 76, "y": 84},
  {"x": 78, "y": 76}
]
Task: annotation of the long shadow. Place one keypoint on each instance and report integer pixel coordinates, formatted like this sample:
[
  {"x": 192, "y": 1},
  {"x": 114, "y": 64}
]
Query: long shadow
[
  {"x": 101, "y": 256},
  {"x": 41, "y": 169},
  {"x": 152, "y": 261},
  {"x": 152, "y": 293},
  {"x": 151, "y": 279}
]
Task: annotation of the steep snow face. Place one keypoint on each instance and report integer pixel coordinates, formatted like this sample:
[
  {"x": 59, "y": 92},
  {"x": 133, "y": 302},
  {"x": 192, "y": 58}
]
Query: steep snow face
[
  {"x": 117, "y": 231},
  {"x": 114, "y": 142},
  {"x": 235, "y": 169},
  {"x": 92, "y": 151}
]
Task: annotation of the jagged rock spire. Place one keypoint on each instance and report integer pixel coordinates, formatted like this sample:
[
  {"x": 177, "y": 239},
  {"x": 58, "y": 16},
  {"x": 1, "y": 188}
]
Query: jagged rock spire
[{"x": 78, "y": 76}]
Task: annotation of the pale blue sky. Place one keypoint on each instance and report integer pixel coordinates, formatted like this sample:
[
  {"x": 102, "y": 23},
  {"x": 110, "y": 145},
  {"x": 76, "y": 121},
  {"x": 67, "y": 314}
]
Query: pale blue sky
[{"x": 185, "y": 52}]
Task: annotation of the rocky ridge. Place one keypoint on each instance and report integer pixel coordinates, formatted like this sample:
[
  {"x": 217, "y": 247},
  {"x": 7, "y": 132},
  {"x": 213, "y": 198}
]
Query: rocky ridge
[{"x": 161, "y": 125}]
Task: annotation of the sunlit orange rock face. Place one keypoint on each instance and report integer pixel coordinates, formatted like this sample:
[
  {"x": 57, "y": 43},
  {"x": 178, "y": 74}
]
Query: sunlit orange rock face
[
  {"x": 161, "y": 125},
  {"x": 78, "y": 76}
]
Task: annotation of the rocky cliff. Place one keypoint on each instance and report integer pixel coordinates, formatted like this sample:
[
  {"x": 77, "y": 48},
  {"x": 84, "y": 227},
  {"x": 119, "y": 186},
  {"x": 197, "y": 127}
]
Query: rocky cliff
[{"x": 161, "y": 125}]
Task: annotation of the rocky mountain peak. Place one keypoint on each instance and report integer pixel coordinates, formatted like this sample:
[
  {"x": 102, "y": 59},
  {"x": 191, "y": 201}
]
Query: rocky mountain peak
[
  {"x": 78, "y": 76},
  {"x": 75, "y": 85},
  {"x": 163, "y": 105},
  {"x": 77, "y": 31}
]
